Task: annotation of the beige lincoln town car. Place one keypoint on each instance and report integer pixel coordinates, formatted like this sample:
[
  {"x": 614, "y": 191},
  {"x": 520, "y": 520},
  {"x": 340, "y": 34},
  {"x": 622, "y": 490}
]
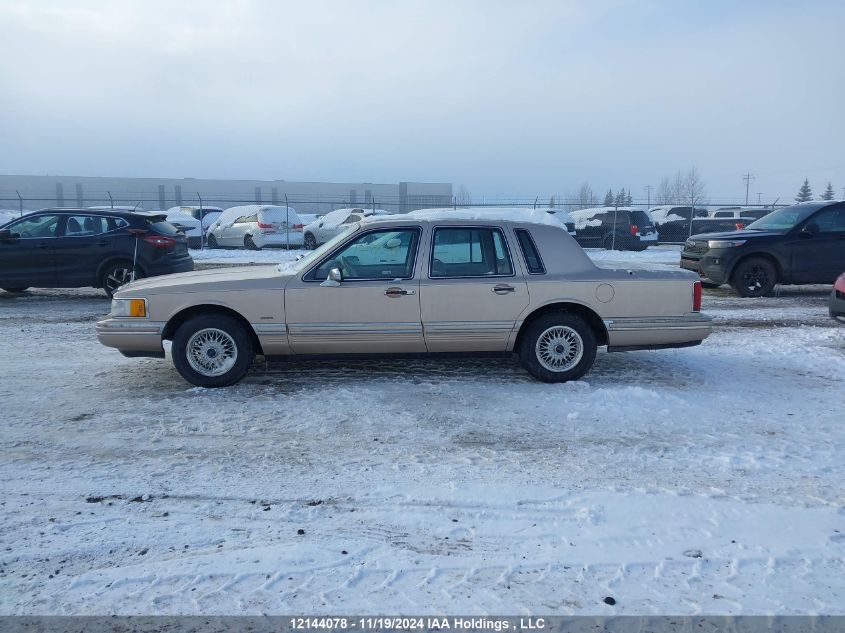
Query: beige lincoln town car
[{"x": 507, "y": 280}]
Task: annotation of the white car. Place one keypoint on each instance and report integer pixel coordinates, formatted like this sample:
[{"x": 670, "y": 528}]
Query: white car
[
  {"x": 256, "y": 226},
  {"x": 333, "y": 224},
  {"x": 188, "y": 224},
  {"x": 206, "y": 215}
]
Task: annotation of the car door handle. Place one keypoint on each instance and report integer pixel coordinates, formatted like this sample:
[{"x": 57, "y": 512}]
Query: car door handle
[
  {"x": 102, "y": 243},
  {"x": 501, "y": 289},
  {"x": 398, "y": 292}
]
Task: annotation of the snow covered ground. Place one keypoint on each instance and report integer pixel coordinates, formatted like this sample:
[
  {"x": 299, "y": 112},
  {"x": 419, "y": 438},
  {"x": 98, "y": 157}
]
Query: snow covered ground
[{"x": 704, "y": 480}]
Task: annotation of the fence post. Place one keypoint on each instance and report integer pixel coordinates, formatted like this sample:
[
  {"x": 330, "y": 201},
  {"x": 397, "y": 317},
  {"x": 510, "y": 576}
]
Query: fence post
[
  {"x": 615, "y": 216},
  {"x": 111, "y": 200},
  {"x": 287, "y": 221},
  {"x": 20, "y": 201}
]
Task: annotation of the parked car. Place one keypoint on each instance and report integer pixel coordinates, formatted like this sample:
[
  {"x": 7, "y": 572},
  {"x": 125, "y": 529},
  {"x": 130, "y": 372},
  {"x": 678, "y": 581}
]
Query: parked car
[
  {"x": 73, "y": 248},
  {"x": 334, "y": 223},
  {"x": 432, "y": 281},
  {"x": 622, "y": 228},
  {"x": 256, "y": 226},
  {"x": 837, "y": 299},
  {"x": 673, "y": 222},
  {"x": 800, "y": 244},
  {"x": 565, "y": 218},
  {"x": 188, "y": 224},
  {"x": 206, "y": 215}
]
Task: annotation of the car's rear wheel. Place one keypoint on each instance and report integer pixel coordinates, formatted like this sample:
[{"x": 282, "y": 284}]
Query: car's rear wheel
[
  {"x": 249, "y": 244},
  {"x": 557, "y": 347},
  {"x": 211, "y": 241},
  {"x": 754, "y": 277},
  {"x": 117, "y": 275},
  {"x": 212, "y": 350},
  {"x": 310, "y": 241},
  {"x": 16, "y": 290}
]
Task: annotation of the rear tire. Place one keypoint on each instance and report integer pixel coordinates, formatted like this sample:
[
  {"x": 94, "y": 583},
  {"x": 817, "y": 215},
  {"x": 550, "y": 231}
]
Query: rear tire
[
  {"x": 754, "y": 277},
  {"x": 16, "y": 291},
  {"x": 116, "y": 275},
  {"x": 310, "y": 241},
  {"x": 212, "y": 350},
  {"x": 558, "y": 347},
  {"x": 249, "y": 244}
]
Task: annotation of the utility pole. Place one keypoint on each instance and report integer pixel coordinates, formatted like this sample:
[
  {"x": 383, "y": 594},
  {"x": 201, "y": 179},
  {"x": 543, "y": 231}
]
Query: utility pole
[
  {"x": 648, "y": 194},
  {"x": 758, "y": 198},
  {"x": 747, "y": 178}
]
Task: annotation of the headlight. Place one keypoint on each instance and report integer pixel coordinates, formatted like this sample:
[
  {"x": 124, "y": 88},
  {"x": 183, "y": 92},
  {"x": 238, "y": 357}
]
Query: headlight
[
  {"x": 129, "y": 308},
  {"x": 724, "y": 243}
]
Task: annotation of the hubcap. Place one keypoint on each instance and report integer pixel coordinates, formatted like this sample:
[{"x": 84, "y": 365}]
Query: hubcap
[
  {"x": 559, "y": 348},
  {"x": 211, "y": 352},
  {"x": 118, "y": 277},
  {"x": 756, "y": 278}
]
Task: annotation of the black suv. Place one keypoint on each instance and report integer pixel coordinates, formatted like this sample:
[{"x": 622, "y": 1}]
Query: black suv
[
  {"x": 801, "y": 244},
  {"x": 73, "y": 248}
]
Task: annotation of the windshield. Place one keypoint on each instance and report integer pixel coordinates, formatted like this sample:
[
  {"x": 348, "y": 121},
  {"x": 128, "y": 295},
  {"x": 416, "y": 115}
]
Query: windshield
[
  {"x": 313, "y": 256},
  {"x": 784, "y": 219}
]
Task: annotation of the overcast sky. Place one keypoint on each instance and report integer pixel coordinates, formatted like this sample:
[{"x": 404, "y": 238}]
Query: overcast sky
[{"x": 506, "y": 98}]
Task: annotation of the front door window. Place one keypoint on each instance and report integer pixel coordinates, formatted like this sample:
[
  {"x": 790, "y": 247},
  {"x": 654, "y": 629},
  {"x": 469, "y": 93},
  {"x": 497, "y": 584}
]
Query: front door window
[{"x": 387, "y": 254}]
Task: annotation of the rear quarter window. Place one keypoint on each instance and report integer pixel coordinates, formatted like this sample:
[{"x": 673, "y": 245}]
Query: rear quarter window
[{"x": 533, "y": 261}]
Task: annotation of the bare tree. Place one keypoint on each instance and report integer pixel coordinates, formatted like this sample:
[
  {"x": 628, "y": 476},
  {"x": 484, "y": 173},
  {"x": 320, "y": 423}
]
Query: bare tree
[
  {"x": 682, "y": 189},
  {"x": 584, "y": 198},
  {"x": 463, "y": 197}
]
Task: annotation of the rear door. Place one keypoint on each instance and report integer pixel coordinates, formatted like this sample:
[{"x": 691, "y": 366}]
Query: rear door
[
  {"x": 472, "y": 294},
  {"x": 29, "y": 259},
  {"x": 818, "y": 254}
]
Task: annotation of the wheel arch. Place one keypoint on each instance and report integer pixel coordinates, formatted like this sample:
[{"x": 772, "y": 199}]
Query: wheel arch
[
  {"x": 176, "y": 321},
  {"x": 588, "y": 314}
]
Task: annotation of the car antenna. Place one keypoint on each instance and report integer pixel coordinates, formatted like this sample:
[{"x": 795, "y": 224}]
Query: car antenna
[{"x": 137, "y": 233}]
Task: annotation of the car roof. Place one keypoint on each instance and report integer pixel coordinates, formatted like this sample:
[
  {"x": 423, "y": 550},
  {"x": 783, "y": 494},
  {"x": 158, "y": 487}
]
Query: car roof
[
  {"x": 480, "y": 215},
  {"x": 104, "y": 211}
]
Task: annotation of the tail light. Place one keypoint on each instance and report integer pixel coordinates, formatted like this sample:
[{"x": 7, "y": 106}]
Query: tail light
[
  {"x": 298, "y": 227},
  {"x": 261, "y": 225},
  {"x": 739, "y": 226},
  {"x": 634, "y": 228},
  {"x": 160, "y": 241},
  {"x": 696, "y": 296}
]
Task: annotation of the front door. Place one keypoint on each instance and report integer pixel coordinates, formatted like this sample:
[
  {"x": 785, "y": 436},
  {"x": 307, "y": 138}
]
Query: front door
[
  {"x": 473, "y": 294},
  {"x": 28, "y": 257},
  {"x": 818, "y": 252},
  {"x": 373, "y": 308}
]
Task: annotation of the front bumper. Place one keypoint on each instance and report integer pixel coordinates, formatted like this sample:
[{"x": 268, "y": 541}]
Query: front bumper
[
  {"x": 132, "y": 336},
  {"x": 628, "y": 333},
  {"x": 711, "y": 266},
  {"x": 836, "y": 305}
]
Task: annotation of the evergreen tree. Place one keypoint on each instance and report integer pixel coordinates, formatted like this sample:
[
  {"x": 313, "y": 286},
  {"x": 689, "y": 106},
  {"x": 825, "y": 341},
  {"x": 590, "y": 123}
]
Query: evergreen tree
[
  {"x": 629, "y": 200},
  {"x": 620, "y": 198},
  {"x": 828, "y": 193},
  {"x": 805, "y": 193},
  {"x": 608, "y": 198}
]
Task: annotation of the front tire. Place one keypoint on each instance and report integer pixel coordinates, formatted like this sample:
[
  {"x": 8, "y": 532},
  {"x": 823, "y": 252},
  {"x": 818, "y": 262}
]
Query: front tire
[
  {"x": 117, "y": 275},
  {"x": 754, "y": 277},
  {"x": 211, "y": 241},
  {"x": 558, "y": 347},
  {"x": 310, "y": 242},
  {"x": 212, "y": 350}
]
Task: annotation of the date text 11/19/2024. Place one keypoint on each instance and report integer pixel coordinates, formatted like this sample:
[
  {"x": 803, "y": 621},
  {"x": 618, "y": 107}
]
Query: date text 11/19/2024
[{"x": 422, "y": 623}]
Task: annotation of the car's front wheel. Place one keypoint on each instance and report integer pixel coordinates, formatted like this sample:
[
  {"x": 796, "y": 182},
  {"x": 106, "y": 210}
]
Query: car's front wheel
[
  {"x": 211, "y": 241},
  {"x": 117, "y": 275},
  {"x": 557, "y": 347},
  {"x": 212, "y": 350},
  {"x": 754, "y": 277},
  {"x": 310, "y": 241}
]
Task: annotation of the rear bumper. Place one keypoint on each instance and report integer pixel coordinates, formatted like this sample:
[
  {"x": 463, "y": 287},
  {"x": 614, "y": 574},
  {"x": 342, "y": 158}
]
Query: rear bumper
[
  {"x": 657, "y": 332},
  {"x": 278, "y": 240},
  {"x": 132, "y": 337},
  {"x": 167, "y": 266}
]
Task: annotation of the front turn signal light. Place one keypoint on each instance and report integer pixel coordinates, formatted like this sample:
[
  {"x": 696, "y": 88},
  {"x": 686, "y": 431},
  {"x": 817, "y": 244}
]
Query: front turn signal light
[{"x": 137, "y": 308}]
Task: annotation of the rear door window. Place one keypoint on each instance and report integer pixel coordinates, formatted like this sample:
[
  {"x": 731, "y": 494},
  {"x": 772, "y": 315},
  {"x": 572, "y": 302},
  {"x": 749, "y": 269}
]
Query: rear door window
[
  {"x": 469, "y": 252},
  {"x": 86, "y": 225}
]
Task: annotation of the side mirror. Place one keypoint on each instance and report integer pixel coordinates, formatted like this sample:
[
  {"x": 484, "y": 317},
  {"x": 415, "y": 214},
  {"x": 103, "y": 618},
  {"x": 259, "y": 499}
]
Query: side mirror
[{"x": 334, "y": 278}]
